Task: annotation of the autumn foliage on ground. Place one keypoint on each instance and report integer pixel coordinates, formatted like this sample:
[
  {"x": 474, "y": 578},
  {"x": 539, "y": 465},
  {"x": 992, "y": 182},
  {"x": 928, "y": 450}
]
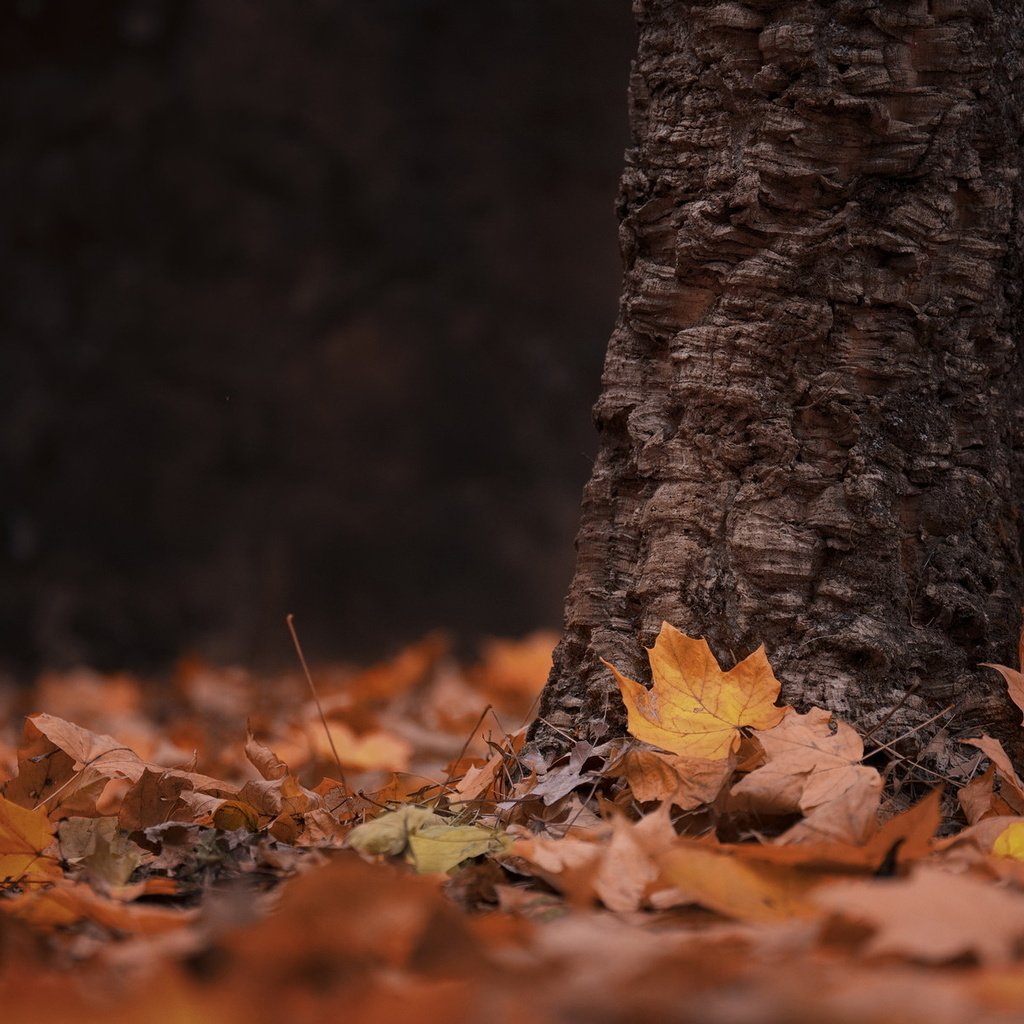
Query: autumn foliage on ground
[{"x": 228, "y": 849}]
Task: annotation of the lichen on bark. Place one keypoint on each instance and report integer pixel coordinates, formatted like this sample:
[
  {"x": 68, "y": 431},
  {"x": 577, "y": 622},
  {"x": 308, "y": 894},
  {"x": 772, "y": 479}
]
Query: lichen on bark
[{"x": 810, "y": 426}]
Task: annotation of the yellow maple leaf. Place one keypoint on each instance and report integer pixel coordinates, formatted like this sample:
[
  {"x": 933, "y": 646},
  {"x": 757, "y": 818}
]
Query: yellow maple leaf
[
  {"x": 694, "y": 708},
  {"x": 1010, "y": 842},
  {"x": 26, "y": 843}
]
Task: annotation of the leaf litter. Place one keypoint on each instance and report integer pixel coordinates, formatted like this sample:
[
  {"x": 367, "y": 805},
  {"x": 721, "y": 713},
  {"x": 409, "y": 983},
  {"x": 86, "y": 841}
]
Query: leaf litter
[{"x": 205, "y": 851}]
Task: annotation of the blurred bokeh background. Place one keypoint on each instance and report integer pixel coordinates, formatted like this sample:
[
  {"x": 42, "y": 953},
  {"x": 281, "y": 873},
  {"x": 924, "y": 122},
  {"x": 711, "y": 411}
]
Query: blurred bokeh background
[{"x": 304, "y": 308}]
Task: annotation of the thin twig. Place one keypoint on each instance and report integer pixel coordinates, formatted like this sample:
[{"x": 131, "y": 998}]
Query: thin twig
[
  {"x": 290, "y": 619},
  {"x": 909, "y": 732},
  {"x": 465, "y": 746},
  {"x": 914, "y": 687},
  {"x": 554, "y": 728},
  {"x": 78, "y": 775}
]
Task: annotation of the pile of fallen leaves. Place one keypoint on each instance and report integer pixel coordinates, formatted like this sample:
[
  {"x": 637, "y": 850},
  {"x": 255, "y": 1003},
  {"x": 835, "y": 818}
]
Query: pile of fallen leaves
[{"x": 228, "y": 849}]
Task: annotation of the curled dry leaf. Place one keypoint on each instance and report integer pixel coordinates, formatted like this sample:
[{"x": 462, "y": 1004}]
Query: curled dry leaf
[
  {"x": 263, "y": 759},
  {"x": 694, "y": 708},
  {"x": 1011, "y": 788},
  {"x": 813, "y": 767},
  {"x": 979, "y": 800},
  {"x": 1014, "y": 677}
]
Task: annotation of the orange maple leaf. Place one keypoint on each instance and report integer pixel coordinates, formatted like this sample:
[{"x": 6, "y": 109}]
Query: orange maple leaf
[
  {"x": 694, "y": 708},
  {"x": 26, "y": 844}
]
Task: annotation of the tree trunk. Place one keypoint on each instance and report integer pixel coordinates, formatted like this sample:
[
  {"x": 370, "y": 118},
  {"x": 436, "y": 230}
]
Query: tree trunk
[{"x": 810, "y": 426}]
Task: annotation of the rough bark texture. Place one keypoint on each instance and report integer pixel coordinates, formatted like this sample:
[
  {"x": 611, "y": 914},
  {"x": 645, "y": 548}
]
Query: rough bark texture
[{"x": 809, "y": 422}]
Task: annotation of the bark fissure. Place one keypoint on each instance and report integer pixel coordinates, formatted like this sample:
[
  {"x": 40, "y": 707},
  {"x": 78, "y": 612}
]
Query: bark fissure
[{"x": 810, "y": 426}]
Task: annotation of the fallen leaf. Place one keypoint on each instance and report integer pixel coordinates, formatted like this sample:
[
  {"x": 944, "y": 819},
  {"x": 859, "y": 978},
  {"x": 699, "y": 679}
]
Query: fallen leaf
[
  {"x": 694, "y": 708},
  {"x": 903, "y": 838},
  {"x": 978, "y": 799},
  {"x": 561, "y": 779},
  {"x": 1013, "y": 677},
  {"x": 628, "y": 868},
  {"x": 1010, "y": 842},
  {"x": 154, "y": 798},
  {"x": 684, "y": 782},
  {"x": 235, "y": 814},
  {"x": 813, "y": 766},
  {"x": 388, "y": 834},
  {"x": 1013, "y": 787},
  {"x": 263, "y": 759},
  {"x": 479, "y": 780},
  {"x": 108, "y": 856},
  {"x": 439, "y": 848},
  {"x": 285, "y": 795},
  {"x": 748, "y": 891},
  {"x": 569, "y": 865},
  {"x": 26, "y": 842},
  {"x": 66, "y": 902},
  {"x": 932, "y": 916}
]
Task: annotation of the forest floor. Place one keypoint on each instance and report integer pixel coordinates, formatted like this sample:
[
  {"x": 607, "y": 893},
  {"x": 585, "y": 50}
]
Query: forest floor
[{"x": 228, "y": 849}]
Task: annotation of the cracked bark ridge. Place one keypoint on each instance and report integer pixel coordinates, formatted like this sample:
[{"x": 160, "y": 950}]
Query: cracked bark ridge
[{"x": 810, "y": 413}]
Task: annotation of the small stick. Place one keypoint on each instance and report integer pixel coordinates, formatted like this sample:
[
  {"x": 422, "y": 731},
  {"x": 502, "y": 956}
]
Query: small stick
[
  {"x": 290, "y": 619},
  {"x": 892, "y": 711},
  {"x": 909, "y": 732},
  {"x": 465, "y": 747}
]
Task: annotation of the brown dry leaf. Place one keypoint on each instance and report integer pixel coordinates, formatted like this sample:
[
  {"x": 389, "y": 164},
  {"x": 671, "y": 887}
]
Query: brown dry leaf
[
  {"x": 343, "y": 936},
  {"x": 979, "y": 799},
  {"x": 318, "y": 828},
  {"x": 616, "y": 866},
  {"x": 1012, "y": 786},
  {"x": 110, "y": 756},
  {"x": 47, "y": 775},
  {"x": 685, "y": 782},
  {"x": 814, "y": 767},
  {"x": 479, "y": 780},
  {"x": 903, "y": 838},
  {"x": 263, "y": 759},
  {"x": 108, "y": 856},
  {"x": 694, "y": 708},
  {"x": 26, "y": 845},
  {"x": 568, "y": 865},
  {"x": 285, "y": 795},
  {"x": 933, "y": 916},
  {"x": 154, "y": 798},
  {"x": 1014, "y": 678},
  {"x": 977, "y": 838},
  {"x": 713, "y": 877},
  {"x": 66, "y": 902},
  {"x": 562, "y": 778},
  {"x": 97, "y": 757},
  {"x": 628, "y": 869}
]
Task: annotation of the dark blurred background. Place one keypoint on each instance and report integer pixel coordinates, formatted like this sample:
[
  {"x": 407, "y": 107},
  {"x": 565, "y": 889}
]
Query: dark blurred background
[{"x": 304, "y": 308}]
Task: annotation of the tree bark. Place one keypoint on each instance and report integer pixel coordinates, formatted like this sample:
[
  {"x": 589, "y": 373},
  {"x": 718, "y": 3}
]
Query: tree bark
[{"x": 810, "y": 427}]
